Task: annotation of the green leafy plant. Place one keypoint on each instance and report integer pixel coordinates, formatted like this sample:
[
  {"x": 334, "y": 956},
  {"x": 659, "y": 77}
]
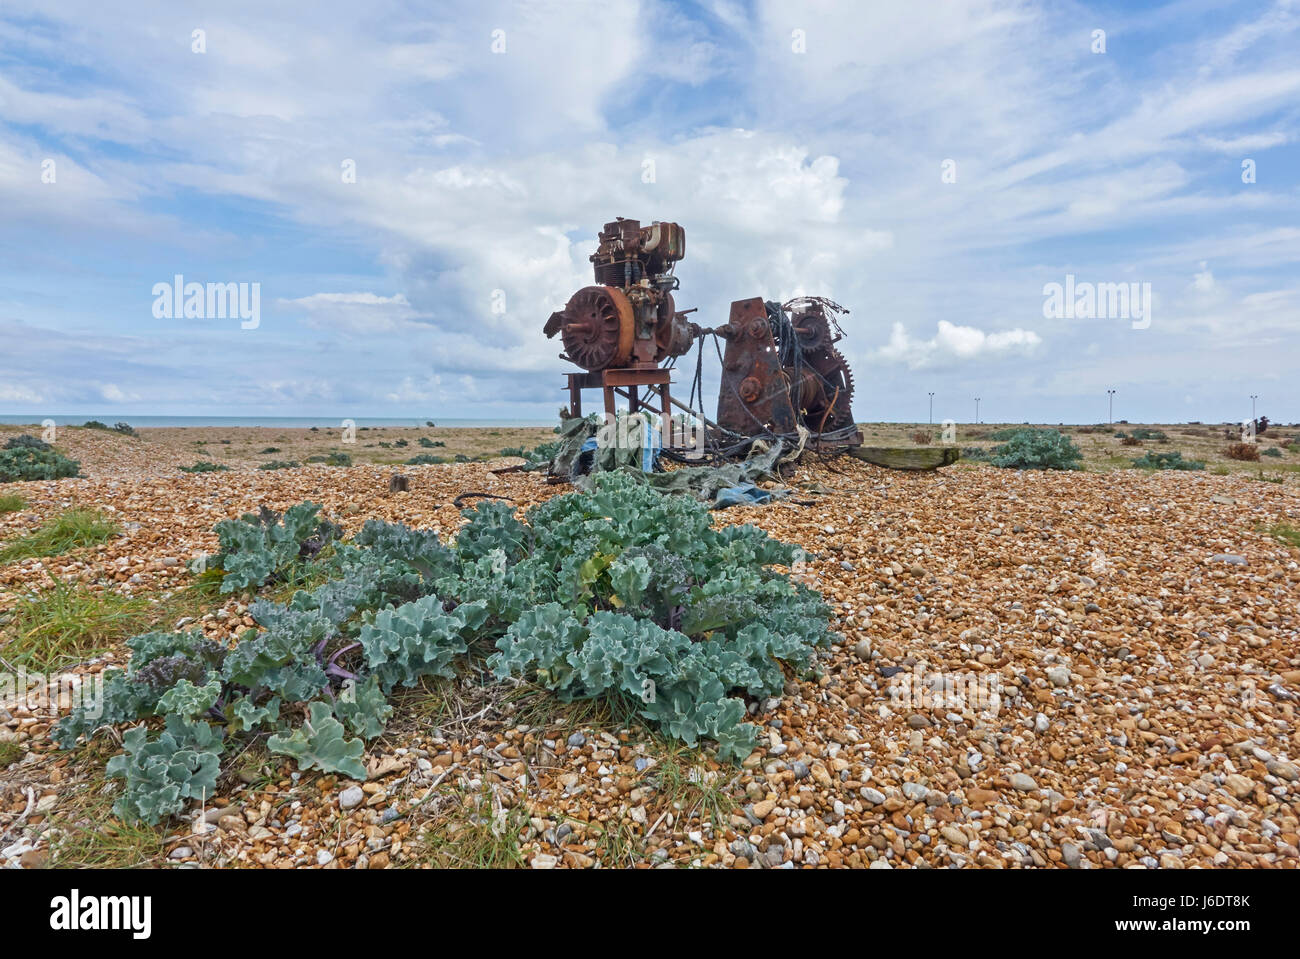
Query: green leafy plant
[
  {"x": 424, "y": 459},
  {"x": 29, "y": 463},
  {"x": 618, "y": 593},
  {"x": 203, "y": 466},
  {"x": 262, "y": 545},
  {"x": 1031, "y": 449},
  {"x": 279, "y": 465},
  {"x": 321, "y": 743}
]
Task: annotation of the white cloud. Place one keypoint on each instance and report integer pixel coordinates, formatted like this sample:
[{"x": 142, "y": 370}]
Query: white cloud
[
  {"x": 1245, "y": 143},
  {"x": 952, "y": 343}
]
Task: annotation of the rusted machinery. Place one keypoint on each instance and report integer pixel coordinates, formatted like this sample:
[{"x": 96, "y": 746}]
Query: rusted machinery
[
  {"x": 782, "y": 375},
  {"x": 622, "y": 329},
  {"x": 781, "y": 371}
]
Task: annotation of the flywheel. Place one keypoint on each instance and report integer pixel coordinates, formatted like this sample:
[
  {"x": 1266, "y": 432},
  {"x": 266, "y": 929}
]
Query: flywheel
[{"x": 597, "y": 328}]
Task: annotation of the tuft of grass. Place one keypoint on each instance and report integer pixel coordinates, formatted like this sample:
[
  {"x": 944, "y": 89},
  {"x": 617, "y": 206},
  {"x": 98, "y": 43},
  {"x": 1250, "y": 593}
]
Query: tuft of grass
[
  {"x": 11, "y": 503},
  {"x": 10, "y": 753},
  {"x": 90, "y": 836},
  {"x": 480, "y": 834},
  {"x": 71, "y": 529},
  {"x": 67, "y": 623},
  {"x": 1285, "y": 533}
]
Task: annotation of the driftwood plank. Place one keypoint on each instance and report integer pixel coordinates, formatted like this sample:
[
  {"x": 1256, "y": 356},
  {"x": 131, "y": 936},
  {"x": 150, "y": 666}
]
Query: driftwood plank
[{"x": 907, "y": 457}]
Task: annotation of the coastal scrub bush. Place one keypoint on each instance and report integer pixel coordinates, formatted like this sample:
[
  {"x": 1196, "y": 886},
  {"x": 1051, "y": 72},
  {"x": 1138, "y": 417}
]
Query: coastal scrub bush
[
  {"x": 203, "y": 466},
  {"x": 1172, "y": 460},
  {"x": 1246, "y": 452},
  {"x": 26, "y": 441},
  {"x": 279, "y": 465},
  {"x": 333, "y": 459},
  {"x": 1030, "y": 449},
  {"x": 617, "y": 592},
  {"x": 28, "y": 463}
]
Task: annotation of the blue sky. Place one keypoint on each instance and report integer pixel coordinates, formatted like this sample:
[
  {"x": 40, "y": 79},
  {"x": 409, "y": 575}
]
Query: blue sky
[{"x": 802, "y": 146}]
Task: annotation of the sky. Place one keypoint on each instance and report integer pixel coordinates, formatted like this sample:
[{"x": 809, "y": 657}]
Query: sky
[{"x": 415, "y": 187}]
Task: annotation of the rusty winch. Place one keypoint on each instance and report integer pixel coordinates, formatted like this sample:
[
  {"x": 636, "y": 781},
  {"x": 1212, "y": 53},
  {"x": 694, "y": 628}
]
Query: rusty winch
[{"x": 782, "y": 375}]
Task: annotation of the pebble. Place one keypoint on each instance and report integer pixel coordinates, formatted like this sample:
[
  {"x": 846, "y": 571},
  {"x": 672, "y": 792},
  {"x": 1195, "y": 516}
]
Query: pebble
[{"x": 351, "y": 797}]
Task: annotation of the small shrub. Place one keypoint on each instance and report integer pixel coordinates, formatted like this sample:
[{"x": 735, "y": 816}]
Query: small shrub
[
  {"x": 269, "y": 450},
  {"x": 1142, "y": 433},
  {"x": 26, "y": 441},
  {"x": 980, "y": 454},
  {"x": 1001, "y": 436},
  {"x": 333, "y": 459},
  {"x": 922, "y": 437},
  {"x": 203, "y": 466},
  {"x": 124, "y": 428},
  {"x": 1039, "y": 450},
  {"x": 430, "y": 444},
  {"x": 1172, "y": 460},
  {"x": 1246, "y": 452},
  {"x": 28, "y": 463},
  {"x": 1272, "y": 451},
  {"x": 1130, "y": 441},
  {"x": 95, "y": 425},
  {"x": 279, "y": 465},
  {"x": 401, "y": 443},
  {"x": 425, "y": 459}
]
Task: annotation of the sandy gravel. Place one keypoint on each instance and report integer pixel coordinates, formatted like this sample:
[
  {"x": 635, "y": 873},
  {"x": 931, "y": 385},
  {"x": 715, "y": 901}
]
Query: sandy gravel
[{"x": 1127, "y": 644}]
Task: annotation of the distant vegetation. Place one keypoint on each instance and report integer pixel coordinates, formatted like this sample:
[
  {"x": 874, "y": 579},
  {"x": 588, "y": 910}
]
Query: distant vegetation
[
  {"x": 1031, "y": 449},
  {"x": 1172, "y": 460}
]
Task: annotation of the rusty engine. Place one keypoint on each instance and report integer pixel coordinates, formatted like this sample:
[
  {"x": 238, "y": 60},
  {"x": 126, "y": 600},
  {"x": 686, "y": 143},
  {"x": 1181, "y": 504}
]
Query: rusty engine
[{"x": 782, "y": 376}]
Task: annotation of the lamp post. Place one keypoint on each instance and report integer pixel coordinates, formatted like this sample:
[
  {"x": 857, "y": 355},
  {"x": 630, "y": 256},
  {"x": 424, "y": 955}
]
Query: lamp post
[
  {"x": 1110, "y": 395},
  {"x": 977, "y": 410},
  {"x": 931, "y": 407},
  {"x": 1253, "y": 398}
]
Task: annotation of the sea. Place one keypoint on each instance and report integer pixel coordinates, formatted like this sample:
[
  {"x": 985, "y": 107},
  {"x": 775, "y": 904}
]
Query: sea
[{"x": 272, "y": 422}]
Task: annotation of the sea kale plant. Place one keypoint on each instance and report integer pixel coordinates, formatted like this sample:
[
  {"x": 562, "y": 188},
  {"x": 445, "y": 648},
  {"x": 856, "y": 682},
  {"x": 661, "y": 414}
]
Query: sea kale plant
[
  {"x": 617, "y": 592},
  {"x": 1033, "y": 449}
]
